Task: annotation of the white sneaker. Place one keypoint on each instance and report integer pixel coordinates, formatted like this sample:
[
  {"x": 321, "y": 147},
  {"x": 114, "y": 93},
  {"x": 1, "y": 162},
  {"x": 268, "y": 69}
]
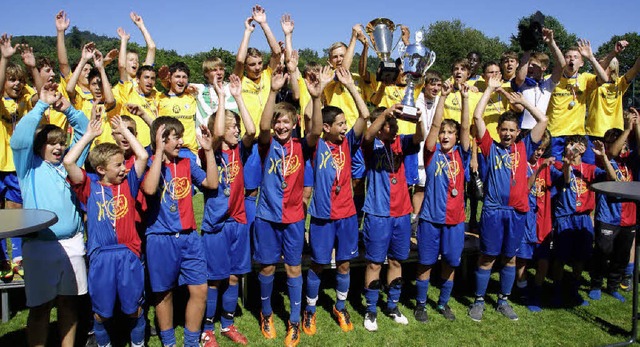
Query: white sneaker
[
  {"x": 397, "y": 316},
  {"x": 370, "y": 321}
]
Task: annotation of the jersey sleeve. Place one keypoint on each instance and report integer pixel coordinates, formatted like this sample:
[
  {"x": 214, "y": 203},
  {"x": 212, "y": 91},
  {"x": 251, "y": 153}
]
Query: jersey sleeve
[
  {"x": 83, "y": 188},
  {"x": 198, "y": 175},
  {"x": 485, "y": 143},
  {"x": 134, "y": 182}
]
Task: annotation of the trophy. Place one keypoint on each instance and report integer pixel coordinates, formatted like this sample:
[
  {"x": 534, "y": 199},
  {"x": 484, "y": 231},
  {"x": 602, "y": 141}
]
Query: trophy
[
  {"x": 380, "y": 31},
  {"x": 529, "y": 36},
  {"x": 416, "y": 60}
]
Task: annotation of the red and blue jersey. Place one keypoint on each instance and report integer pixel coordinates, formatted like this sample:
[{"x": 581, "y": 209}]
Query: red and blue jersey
[
  {"x": 575, "y": 197},
  {"x": 280, "y": 199},
  {"x": 252, "y": 172},
  {"x": 332, "y": 195},
  {"x": 386, "y": 177},
  {"x": 506, "y": 179},
  {"x": 110, "y": 211},
  {"x": 170, "y": 209},
  {"x": 444, "y": 186},
  {"x": 612, "y": 210},
  {"x": 141, "y": 201},
  {"x": 540, "y": 199},
  {"x": 218, "y": 206}
]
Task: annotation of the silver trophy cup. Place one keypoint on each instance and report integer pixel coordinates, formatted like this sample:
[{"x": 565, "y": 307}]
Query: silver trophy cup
[
  {"x": 380, "y": 31},
  {"x": 416, "y": 60}
]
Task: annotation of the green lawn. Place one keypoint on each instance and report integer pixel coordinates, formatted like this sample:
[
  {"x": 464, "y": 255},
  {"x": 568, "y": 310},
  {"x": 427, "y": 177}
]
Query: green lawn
[{"x": 603, "y": 322}]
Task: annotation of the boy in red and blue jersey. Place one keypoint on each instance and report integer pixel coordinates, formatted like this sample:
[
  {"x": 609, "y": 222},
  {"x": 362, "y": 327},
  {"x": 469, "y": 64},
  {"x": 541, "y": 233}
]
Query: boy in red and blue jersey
[
  {"x": 615, "y": 220},
  {"x": 536, "y": 242},
  {"x": 334, "y": 222},
  {"x": 387, "y": 224},
  {"x": 114, "y": 247},
  {"x": 175, "y": 255},
  {"x": 225, "y": 233},
  {"x": 574, "y": 202},
  {"x": 441, "y": 226},
  {"x": 279, "y": 224},
  {"x": 506, "y": 195}
]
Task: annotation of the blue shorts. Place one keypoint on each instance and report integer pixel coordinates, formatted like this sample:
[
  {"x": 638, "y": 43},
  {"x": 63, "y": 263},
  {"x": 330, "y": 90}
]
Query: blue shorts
[
  {"x": 501, "y": 231},
  {"x": 573, "y": 238},
  {"x": 308, "y": 173},
  {"x": 358, "y": 168},
  {"x": 175, "y": 259},
  {"x": 534, "y": 250},
  {"x": 530, "y": 239},
  {"x": 115, "y": 272},
  {"x": 435, "y": 239},
  {"x": 324, "y": 234},
  {"x": 9, "y": 187},
  {"x": 227, "y": 250},
  {"x": 273, "y": 240},
  {"x": 558, "y": 144},
  {"x": 411, "y": 169},
  {"x": 387, "y": 237}
]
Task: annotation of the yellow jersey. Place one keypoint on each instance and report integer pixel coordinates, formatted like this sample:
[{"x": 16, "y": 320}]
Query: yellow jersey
[
  {"x": 182, "y": 107},
  {"x": 453, "y": 105},
  {"x": 497, "y": 105},
  {"x": 393, "y": 94},
  {"x": 568, "y": 104},
  {"x": 127, "y": 93},
  {"x": 255, "y": 95},
  {"x": 337, "y": 95},
  {"x": 11, "y": 111},
  {"x": 604, "y": 106}
]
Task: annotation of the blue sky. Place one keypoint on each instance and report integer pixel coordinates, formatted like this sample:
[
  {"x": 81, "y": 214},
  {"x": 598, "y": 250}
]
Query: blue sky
[{"x": 199, "y": 25}]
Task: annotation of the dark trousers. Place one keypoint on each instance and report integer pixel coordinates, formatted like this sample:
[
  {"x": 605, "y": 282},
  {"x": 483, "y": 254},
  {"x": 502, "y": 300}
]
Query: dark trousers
[{"x": 611, "y": 253}]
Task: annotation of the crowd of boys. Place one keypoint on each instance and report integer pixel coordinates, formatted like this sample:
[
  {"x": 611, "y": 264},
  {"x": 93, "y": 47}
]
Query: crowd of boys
[{"x": 275, "y": 149}]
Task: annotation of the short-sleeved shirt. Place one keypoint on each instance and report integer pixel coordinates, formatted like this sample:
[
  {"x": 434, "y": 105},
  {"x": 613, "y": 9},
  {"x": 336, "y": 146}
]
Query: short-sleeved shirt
[
  {"x": 496, "y": 106},
  {"x": 11, "y": 111},
  {"x": 111, "y": 211},
  {"x": 207, "y": 101},
  {"x": 128, "y": 93},
  {"x": 453, "y": 105},
  {"x": 386, "y": 176},
  {"x": 565, "y": 118},
  {"x": 393, "y": 94},
  {"x": 612, "y": 210},
  {"x": 445, "y": 172},
  {"x": 255, "y": 95},
  {"x": 332, "y": 169},
  {"x": 537, "y": 93},
  {"x": 336, "y": 94},
  {"x": 540, "y": 199},
  {"x": 576, "y": 197},
  {"x": 604, "y": 106},
  {"x": 183, "y": 108},
  {"x": 170, "y": 209},
  {"x": 506, "y": 182}
]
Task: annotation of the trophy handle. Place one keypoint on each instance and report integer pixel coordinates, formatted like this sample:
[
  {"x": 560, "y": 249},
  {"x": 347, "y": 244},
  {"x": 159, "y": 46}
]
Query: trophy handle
[
  {"x": 432, "y": 59},
  {"x": 398, "y": 26}
]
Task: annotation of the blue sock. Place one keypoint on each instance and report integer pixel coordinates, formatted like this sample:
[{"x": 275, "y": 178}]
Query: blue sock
[
  {"x": 629, "y": 269},
  {"x": 394, "y": 296},
  {"x": 137, "y": 332},
  {"x": 445, "y": 292},
  {"x": 371, "y": 297},
  {"x": 168, "y": 337},
  {"x": 482, "y": 281},
  {"x": 295, "y": 296},
  {"x": 422, "y": 287},
  {"x": 507, "y": 277},
  {"x": 210, "y": 311},
  {"x": 266, "y": 287},
  {"x": 229, "y": 303},
  {"x": 343, "y": 281},
  {"x": 102, "y": 337},
  {"x": 191, "y": 338},
  {"x": 313, "y": 287}
]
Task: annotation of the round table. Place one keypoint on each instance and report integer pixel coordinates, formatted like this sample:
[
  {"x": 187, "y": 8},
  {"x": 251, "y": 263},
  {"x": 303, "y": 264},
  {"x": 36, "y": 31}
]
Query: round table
[{"x": 19, "y": 222}]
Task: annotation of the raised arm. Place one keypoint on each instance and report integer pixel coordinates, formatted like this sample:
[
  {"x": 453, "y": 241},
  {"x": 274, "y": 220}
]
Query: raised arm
[
  {"x": 585, "y": 50},
  {"x": 122, "y": 57},
  {"x": 206, "y": 142},
  {"x": 481, "y": 127},
  {"x": 6, "y": 51},
  {"x": 617, "y": 49},
  {"x": 315, "y": 86},
  {"x": 29, "y": 60},
  {"x": 364, "y": 55},
  {"x": 601, "y": 153},
  {"x": 538, "y": 130},
  {"x": 615, "y": 148},
  {"x": 62, "y": 24},
  {"x": 138, "y": 111},
  {"x": 374, "y": 128},
  {"x": 278, "y": 80},
  {"x": 74, "y": 172},
  {"x": 109, "y": 99},
  {"x": 249, "y": 27},
  {"x": 465, "y": 123},
  {"x": 351, "y": 48},
  {"x": 436, "y": 123},
  {"x": 87, "y": 54},
  {"x": 219, "y": 127},
  {"x": 235, "y": 87},
  {"x": 141, "y": 154},
  {"x": 294, "y": 73},
  {"x": 360, "y": 126},
  {"x": 523, "y": 68},
  {"x": 150, "y": 59},
  {"x": 259, "y": 15},
  {"x": 633, "y": 71},
  {"x": 152, "y": 181},
  {"x": 556, "y": 54}
]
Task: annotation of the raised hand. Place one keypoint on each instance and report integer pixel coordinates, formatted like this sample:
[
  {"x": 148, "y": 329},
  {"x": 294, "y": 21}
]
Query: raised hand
[
  {"x": 405, "y": 33},
  {"x": 87, "y": 51},
  {"x": 94, "y": 129},
  {"x": 516, "y": 98},
  {"x": 62, "y": 104},
  {"x": 360, "y": 36},
  {"x": 547, "y": 35},
  {"x": 278, "y": 78},
  {"x": 98, "y": 59},
  {"x": 344, "y": 76},
  {"x": 464, "y": 90},
  {"x": 235, "y": 86},
  {"x": 598, "y": 148},
  {"x": 287, "y": 24},
  {"x": 62, "y": 22},
  {"x": 123, "y": 34},
  {"x": 205, "y": 140},
  {"x": 326, "y": 76},
  {"x": 118, "y": 124},
  {"x": 134, "y": 109},
  {"x": 160, "y": 138},
  {"x": 112, "y": 54},
  {"x": 584, "y": 47},
  {"x": 49, "y": 93},
  {"x": 137, "y": 20},
  {"x": 447, "y": 88},
  {"x": 6, "y": 49},
  {"x": 26, "y": 52},
  {"x": 292, "y": 64},
  {"x": 96, "y": 111},
  {"x": 217, "y": 86},
  {"x": 620, "y": 46},
  {"x": 163, "y": 73},
  {"x": 259, "y": 14},
  {"x": 494, "y": 82},
  {"x": 248, "y": 25}
]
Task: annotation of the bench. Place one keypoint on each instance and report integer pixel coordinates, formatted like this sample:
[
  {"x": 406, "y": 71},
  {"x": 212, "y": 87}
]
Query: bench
[{"x": 4, "y": 296}]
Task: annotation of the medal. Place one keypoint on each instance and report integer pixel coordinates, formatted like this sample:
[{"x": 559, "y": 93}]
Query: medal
[
  {"x": 578, "y": 203},
  {"x": 337, "y": 189},
  {"x": 394, "y": 180},
  {"x": 173, "y": 208},
  {"x": 284, "y": 185},
  {"x": 572, "y": 103},
  {"x": 227, "y": 191},
  {"x": 513, "y": 182},
  {"x": 454, "y": 192}
]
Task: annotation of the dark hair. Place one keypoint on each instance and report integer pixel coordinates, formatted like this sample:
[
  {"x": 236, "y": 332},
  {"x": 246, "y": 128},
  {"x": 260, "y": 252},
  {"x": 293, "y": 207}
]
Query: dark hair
[
  {"x": 179, "y": 66},
  {"x": 611, "y": 135},
  {"x": 48, "y": 134},
  {"x": 509, "y": 116},
  {"x": 329, "y": 114},
  {"x": 144, "y": 68},
  {"x": 170, "y": 124},
  {"x": 576, "y": 139},
  {"x": 475, "y": 53},
  {"x": 393, "y": 122},
  {"x": 93, "y": 74},
  {"x": 42, "y": 62},
  {"x": 489, "y": 63}
]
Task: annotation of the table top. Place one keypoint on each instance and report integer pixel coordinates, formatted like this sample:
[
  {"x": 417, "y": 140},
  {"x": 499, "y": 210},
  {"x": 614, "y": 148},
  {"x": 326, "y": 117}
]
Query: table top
[
  {"x": 19, "y": 222},
  {"x": 626, "y": 190}
]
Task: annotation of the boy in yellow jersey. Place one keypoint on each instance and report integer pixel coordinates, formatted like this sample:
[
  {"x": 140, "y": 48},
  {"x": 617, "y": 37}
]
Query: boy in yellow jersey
[
  {"x": 144, "y": 95},
  {"x": 182, "y": 106},
  {"x": 568, "y": 104},
  {"x": 475, "y": 62},
  {"x": 604, "y": 104},
  {"x": 100, "y": 89},
  {"x": 128, "y": 61},
  {"x": 508, "y": 65},
  {"x": 257, "y": 81}
]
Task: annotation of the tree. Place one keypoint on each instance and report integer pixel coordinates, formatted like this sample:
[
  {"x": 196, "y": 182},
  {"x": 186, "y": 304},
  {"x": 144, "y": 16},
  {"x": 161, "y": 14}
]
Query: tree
[
  {"x": 452, "y": 40},
  {"x": 626, "y": 59}
]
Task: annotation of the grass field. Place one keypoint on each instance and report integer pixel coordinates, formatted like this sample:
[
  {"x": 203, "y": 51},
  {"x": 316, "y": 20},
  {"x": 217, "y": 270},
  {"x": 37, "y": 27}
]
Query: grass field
[{"x": 603, "y": 322}]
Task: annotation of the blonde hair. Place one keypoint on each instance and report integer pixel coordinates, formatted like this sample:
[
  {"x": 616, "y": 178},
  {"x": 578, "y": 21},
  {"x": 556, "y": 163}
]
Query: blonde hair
[
  {"x": 229, "y": 117},
  {"x": 102, "y": 153},
  {"x": 614, "y": 69},
  {"x": 212, "y": 63},
  {"x": 284, "y": 109}
]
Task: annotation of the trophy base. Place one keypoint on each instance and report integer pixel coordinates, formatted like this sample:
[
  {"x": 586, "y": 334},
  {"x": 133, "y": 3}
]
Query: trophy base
[
  {"x": 387, "y": 72},
  {"x": 409, "y": 114}
]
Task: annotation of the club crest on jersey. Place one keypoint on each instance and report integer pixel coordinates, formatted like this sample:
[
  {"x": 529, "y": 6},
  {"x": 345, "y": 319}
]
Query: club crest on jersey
[
  {"x": 113, "y": 209},
  {"x": 539, "y": 189},
  {"x": 337, "y": 162},
  {"x": 452, "y": 168},
  {"x": 178, "y": 188},
  {"x": 233, "y": 168},
  {"x": 622, "y": 176},
  {"x": 276, "y": 165},
  {"x": 176, "y": 109},
  {"x": 578, "y": 186},
  {"x": 508, "y": 161}
]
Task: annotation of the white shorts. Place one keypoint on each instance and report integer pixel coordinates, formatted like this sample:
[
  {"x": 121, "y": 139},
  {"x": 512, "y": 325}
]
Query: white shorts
[
  {"x": 422, "y": 176},
  {"x": 53, "y": 268}
]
